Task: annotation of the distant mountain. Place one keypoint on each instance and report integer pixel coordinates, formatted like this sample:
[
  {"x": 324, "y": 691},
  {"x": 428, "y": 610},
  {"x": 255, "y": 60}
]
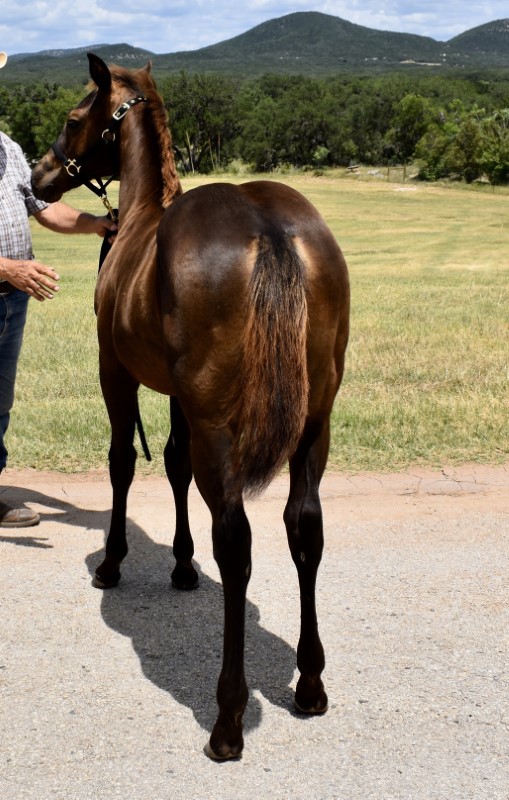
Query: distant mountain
[
  {"x": 304, "y": 42},
  {"x": 69, "y": 67},
  {"x": 487, "y": 45},
  {"x": 118, "y": 51}
]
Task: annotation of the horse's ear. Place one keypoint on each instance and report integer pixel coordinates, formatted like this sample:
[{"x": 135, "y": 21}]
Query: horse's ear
[
  {"x": 148, "y": 67},
  {"x": 99, "y": 73}
]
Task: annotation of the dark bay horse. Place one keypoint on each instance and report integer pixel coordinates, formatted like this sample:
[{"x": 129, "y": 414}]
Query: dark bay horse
[{"x": 234, "y": 301}]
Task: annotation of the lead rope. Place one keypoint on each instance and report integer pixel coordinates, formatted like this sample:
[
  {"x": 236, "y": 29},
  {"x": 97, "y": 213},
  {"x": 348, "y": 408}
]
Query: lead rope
[{"x": 100, "y": 191}]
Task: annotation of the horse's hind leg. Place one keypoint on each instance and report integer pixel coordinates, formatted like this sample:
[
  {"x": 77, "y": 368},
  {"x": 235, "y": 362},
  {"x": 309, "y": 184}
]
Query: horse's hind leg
[
  {"x": 303, "y": 520},
  {"x": 231, "y": 538},
  {"x": 120, "y": 395},
  {"x": 177, "y": 461}
]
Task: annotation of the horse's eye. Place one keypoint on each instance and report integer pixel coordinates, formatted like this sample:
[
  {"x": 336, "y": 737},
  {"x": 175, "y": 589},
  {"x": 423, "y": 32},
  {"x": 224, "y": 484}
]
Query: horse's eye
[{"x": 72, "y": 123}]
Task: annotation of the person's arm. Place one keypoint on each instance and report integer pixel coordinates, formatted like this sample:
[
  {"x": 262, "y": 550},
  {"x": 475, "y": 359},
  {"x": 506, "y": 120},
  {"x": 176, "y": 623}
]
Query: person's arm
[
  {"x": 61, "y": 218},
  {"x": 36, "y": 279}
]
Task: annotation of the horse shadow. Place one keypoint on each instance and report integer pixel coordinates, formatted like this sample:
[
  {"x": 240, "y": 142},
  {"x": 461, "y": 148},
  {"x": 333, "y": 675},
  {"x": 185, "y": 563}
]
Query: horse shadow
[
  {"x": 177, "y": 636},
  {"x": 27, "y": 541}
]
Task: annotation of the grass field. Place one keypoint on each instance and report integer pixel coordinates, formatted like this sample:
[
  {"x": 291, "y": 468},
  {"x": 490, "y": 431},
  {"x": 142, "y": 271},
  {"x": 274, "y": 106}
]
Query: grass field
[{"x": 428, "y": 363}]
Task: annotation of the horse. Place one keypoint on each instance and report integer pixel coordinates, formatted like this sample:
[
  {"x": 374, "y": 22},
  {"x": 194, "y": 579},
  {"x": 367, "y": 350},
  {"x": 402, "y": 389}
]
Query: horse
[{"x": 233, "y": 300}]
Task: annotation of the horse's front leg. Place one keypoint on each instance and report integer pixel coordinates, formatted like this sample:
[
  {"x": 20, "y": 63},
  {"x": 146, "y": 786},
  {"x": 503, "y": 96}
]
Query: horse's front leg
[
  {"x": 177, "y": 461},
  {"x": 120, "y": 395}
]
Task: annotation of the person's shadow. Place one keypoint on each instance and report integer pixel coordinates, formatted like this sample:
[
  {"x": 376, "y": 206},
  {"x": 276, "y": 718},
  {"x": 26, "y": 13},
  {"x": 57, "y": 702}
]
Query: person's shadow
[{"x": 178, "y": 636}]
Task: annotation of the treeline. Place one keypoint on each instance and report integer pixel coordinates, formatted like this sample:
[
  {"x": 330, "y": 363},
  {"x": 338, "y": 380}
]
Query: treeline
[{"x": 449, "y": 128}]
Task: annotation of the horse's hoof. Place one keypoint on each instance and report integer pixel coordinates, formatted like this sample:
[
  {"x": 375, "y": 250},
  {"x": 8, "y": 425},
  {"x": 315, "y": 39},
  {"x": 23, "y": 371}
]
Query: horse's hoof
[
  {"x": 185, "y": 587},
  {"x": 320, "y": 708},
  {"x": 184, "y": 578},
  {"x": 310, "y": 696},
  {"x": 227, "y": 756},
  {"x": 99, "y": 583}
]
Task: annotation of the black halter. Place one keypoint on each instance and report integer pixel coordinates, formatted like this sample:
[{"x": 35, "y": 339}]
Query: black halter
[{"x": 73, "y": 165}]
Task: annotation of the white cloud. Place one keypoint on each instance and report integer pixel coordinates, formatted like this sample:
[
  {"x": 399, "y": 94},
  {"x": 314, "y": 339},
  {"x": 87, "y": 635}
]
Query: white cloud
[{"x": 436, "y": 18}]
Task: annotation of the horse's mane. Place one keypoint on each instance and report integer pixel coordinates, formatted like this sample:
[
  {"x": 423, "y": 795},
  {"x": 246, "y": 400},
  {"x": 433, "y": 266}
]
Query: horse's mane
[{"x": 141, "y": 82}]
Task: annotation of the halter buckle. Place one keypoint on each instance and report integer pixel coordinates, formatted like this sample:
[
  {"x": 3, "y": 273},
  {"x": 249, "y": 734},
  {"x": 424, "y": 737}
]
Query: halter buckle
[
  {"x": 121, "y": 111},
  {"x": 71, "y": 164}
]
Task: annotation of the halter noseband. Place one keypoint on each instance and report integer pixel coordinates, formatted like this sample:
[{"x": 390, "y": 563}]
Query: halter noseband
[{"x": 73, "y": 166}]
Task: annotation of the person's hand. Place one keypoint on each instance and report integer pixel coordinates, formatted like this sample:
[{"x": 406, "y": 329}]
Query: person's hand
[
  {"x": 105, "y": 226},
  {"x": 32, "y": 277}
]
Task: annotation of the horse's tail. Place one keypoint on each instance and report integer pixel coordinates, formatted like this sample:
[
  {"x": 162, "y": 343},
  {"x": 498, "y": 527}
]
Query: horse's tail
[{"x": 272, "y": 404}]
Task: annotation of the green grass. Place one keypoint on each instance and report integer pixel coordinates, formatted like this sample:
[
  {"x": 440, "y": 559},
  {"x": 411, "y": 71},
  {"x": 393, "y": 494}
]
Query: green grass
[{"x": 428, "y": 362}]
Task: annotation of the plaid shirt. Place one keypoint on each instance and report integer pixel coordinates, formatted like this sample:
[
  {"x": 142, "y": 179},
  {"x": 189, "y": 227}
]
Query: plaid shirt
[{"x": 17, "y": 202}]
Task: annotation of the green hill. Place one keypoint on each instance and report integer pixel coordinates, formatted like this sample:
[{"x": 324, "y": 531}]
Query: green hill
[
  {"x": 486, "y": 45},
  {"x": 308, "y": 43},
  {"x": 69, "y": 67}
]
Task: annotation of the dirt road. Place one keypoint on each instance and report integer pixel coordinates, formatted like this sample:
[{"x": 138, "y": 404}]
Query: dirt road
[{"x": 111, "y": 694}]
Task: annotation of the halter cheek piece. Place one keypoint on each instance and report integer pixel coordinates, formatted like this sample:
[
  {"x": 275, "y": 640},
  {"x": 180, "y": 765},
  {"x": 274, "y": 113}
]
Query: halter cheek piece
[{"x": 72, "y": 165}]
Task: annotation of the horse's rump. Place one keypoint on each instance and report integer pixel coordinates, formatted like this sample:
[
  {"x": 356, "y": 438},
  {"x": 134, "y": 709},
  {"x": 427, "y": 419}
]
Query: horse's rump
[{"x": 236, "y": 323}]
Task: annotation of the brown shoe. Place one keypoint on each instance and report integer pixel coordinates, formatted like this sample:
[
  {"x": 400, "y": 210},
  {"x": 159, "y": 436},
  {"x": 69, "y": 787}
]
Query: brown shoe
[{"x": 17, "y": 517}]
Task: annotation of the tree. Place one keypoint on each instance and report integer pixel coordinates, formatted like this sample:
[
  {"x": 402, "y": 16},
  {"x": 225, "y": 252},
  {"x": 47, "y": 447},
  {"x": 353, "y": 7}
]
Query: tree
[
  {"x": 465, "y": 152},
  {"x": 432, "y": 152},
  {"x": 495, "y": 147},
  {"x": 435, "y": 151},
  {"x": 53, "y": 113},
  {"x": 26, "y": 110},
  {"x": 202, "y": 118},
  {"x": 257, "y": 143},
  {"x": 412, "y": 117}
]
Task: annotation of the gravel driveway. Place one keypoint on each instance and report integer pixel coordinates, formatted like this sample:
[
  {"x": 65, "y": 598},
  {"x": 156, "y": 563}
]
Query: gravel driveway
[{"x": 111, "y": 694}]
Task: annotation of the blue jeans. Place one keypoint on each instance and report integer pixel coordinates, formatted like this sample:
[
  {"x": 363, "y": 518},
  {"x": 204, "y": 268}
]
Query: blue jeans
[{"x": 13, "y": 312}]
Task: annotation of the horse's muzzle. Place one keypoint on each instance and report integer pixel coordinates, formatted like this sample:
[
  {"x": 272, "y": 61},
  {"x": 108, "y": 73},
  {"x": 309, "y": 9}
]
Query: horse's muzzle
[{"x": 43, "y": 185}]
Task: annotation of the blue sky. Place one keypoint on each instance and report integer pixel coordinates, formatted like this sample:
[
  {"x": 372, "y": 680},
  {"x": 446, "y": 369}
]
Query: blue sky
[{"x": 167, "y": 26}]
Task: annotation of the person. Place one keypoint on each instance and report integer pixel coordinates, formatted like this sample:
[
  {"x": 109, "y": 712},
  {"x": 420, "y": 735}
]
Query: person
[{"x": 23, "y": 277}]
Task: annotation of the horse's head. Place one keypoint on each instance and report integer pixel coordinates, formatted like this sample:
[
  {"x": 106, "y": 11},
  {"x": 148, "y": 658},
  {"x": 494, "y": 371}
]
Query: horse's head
[{"x": 87, "y": 147}]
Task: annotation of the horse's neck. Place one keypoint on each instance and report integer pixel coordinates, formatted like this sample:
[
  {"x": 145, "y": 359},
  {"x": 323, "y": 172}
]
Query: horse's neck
[{"x": 148, "y": 179}]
